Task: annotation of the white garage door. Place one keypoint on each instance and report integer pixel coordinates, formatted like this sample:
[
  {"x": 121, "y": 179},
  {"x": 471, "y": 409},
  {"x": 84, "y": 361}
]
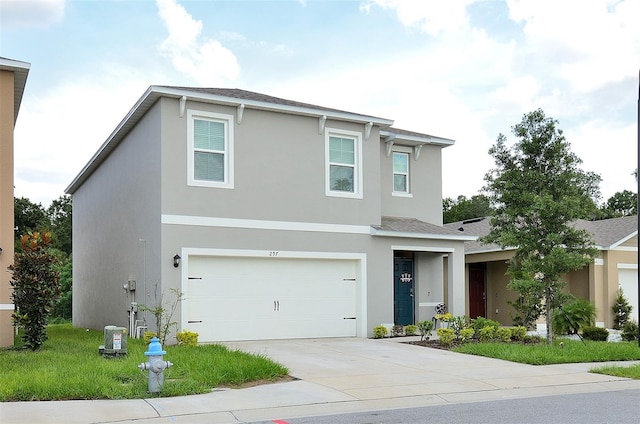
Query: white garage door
[
  {"x": 628, "y": 279},
  {"x": 248, "y": 298}
]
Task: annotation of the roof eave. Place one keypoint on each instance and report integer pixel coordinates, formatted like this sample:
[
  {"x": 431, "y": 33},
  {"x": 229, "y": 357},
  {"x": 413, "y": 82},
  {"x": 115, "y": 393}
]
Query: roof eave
[
  {"x": 403, "y": 234},
  {"x": 21, "y": 72},
  {"x": 154, "y": 92},
  {"x": 414, "y": 140}
]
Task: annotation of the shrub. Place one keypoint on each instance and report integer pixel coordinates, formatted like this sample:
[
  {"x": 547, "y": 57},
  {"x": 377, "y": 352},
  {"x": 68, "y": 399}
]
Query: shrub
[
  {"x": 572, "y": 316},
  {"x": 466, "y": 334},
  {"x": 187, "y": 338},
  {"x": 629, "y": 331},
  {"x": 503, "y": 333},
  {"x": 446, "y": 336},
  {"x": 380, "y": 331},
  {"x": 596, "y": 334},
  {"x": 411, "y": 330},
  {"x": 535, "y": 339},
  {"x": 479, "y": 323},
  {"x": 458, "y": 324},
  {"x": 148, "y": 335},
  {"x": 621, "y": 310},
  {"x": 487, "y": 333},
  {"x": 425, "y": 328},
  {"x": 36, "y": 287},
  {"x": 397, "y": 330},
  {"x": 518, "y": 333}
]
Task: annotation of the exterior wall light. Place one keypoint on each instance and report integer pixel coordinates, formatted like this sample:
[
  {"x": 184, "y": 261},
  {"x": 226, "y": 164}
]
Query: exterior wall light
[{"x": 176, "y": 261}]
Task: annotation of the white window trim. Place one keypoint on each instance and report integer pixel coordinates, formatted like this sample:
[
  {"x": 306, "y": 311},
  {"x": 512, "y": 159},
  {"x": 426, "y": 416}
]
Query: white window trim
[
  {"x": 357, "y": 173},
  {"x": 228, "y": 148},
  {"x": 407, "y": 151}
]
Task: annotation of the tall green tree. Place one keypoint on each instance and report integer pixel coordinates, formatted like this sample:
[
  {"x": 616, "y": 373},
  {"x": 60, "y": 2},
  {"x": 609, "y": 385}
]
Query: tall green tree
[
  {"x": 622, "y": 203},
  {"x": 59, "y": 214},
  {"x": 539, "y": 190},
  {"x": 462, "y": 208},
  {"x": 28, "y": 216}
]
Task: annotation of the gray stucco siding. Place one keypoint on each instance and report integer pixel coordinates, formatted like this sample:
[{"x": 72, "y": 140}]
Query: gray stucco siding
[
  {"x": 425, "y": 183},
  {"x": 112, "y": 211},
  {"x": 279, "y": 164}
]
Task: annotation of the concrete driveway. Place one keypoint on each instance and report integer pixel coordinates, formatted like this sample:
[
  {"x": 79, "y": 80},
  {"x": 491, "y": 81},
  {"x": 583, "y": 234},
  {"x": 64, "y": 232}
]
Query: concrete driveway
[{"x": 336, "y": 376}]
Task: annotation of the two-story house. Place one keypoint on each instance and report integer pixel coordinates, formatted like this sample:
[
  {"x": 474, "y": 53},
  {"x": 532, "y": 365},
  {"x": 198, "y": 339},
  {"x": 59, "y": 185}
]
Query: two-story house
[
  {"x": 13, "y": 79},
  {"x": 274, "y": 218}
]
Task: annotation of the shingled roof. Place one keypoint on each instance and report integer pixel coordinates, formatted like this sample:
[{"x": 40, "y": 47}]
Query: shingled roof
[
  {"x": 399, "y": 227},
  {"x": 607, "y": 233}
]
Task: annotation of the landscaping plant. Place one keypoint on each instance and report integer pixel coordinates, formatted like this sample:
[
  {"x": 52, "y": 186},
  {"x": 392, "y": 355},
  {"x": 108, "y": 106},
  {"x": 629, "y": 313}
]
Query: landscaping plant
[
  {"x": 572, "y": 316},
  {"x": 425, "y": 328},
  {"x": 410, "y": 330},
  {"x": 621, "y": 310},
  {"x": 36, "y": 287},
  {"x": 380, "y": 331},
  {"x": 597, "y": 334}
]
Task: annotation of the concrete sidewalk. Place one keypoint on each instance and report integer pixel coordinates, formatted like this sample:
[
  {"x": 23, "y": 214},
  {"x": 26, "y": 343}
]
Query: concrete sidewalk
[{"x": 336, "y": 376}]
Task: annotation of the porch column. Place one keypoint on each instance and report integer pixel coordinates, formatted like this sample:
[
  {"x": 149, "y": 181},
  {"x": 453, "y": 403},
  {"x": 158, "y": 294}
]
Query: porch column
[{"x": 456, "y": 283}]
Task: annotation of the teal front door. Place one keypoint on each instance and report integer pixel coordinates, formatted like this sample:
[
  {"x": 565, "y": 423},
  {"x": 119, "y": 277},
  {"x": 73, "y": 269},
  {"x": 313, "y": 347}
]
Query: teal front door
[{"x": 403, "y": 291}]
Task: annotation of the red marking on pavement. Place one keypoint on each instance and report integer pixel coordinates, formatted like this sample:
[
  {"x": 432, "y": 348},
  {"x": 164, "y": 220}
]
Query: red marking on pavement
[{"x": 280, "y": 422}]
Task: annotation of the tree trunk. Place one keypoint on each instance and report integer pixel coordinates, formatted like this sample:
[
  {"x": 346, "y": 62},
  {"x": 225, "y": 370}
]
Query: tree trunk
[{"x": 547, "y": 309}]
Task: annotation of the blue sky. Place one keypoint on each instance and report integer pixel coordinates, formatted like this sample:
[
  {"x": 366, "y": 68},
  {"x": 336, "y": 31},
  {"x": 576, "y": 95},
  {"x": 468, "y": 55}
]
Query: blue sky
[{"x": 466, "y": 70}]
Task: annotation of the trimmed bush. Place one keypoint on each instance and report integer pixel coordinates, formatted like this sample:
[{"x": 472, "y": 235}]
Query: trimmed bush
[
  {"x": 518, "y": 333},
  {"x": 187, "y": 338},
  {"x": 597, "y": 334},
  {"x": 410, "y": 330},
  {"x": 148, "y": 335},
  {"x": 630, "y": 331},
  {"x": 446, "y": 336},
  {"x": 487, "y": 333},
  {"x": 479, "y": 323},
  {"x": 380, "y": 331},
  {"x": 466, "y": 334},
  {"x": 503, "y": 334}
]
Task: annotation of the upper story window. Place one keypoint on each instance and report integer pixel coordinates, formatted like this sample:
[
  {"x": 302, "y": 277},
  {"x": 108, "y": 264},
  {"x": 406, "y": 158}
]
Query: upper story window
[
  {"x": 400, "y": 173},
  {"x": 344, "y": 163},
  {"x": 210, "y": 140}
]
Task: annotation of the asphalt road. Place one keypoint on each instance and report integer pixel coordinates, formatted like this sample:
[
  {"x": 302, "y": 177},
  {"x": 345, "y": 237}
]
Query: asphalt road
[{"x": 618, "y": 407}]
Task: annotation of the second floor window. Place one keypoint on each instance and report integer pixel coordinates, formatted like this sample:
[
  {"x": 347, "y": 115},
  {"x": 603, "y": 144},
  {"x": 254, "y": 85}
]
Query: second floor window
[
  {"x": 400, "y": 172},
  {"x": 344, "y": 175},
  {"x": 210, "y": 149}
]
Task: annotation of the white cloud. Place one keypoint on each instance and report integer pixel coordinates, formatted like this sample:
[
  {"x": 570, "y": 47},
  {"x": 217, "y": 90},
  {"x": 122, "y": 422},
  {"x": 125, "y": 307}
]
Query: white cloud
[
  {"x": 432, "y": 17},
  {"x": 73, "y": 120},
  {"x": 586, "y": 43},
  {"x": 15, "y": 14},
  {"x": 205, "y": 60}
]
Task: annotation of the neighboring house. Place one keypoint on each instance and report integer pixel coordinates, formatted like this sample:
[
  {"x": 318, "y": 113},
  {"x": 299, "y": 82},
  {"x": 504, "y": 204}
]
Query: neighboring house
[
  {"x": 13, "y": 78},
  {"x": 616, "y": 266},
  {"x": 275, "y": 218}
]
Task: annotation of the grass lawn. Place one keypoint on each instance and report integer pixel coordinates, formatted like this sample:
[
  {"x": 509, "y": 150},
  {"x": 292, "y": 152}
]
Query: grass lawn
[
  {"x": 68, "y": 366},
  {"x": 540, "y": 354}
]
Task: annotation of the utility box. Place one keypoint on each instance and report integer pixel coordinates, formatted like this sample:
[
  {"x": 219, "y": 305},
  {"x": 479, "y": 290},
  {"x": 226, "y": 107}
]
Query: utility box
[{"x": 115, "y": 341}]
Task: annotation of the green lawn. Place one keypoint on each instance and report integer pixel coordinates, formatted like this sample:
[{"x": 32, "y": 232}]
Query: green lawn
[
  {"x": 571, "y": 351},
  {"x": 68, "y": 366}
]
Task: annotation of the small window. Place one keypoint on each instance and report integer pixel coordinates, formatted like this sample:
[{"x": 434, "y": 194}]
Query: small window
[
  {"x": 210, "y": 139},
  {"x": 400, "y": 172},
  {"x": 344, "y": 173}
]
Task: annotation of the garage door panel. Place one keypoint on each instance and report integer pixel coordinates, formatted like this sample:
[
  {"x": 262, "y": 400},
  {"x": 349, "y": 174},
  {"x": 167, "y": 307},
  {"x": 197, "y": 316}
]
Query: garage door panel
[{"x": 261, "y": 298}]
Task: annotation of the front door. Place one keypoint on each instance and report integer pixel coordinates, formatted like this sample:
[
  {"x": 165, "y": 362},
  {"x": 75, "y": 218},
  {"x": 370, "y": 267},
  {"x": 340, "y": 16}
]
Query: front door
[
  {"x": 403, "y": 291},
  {"x": 477, "y": 293}
]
